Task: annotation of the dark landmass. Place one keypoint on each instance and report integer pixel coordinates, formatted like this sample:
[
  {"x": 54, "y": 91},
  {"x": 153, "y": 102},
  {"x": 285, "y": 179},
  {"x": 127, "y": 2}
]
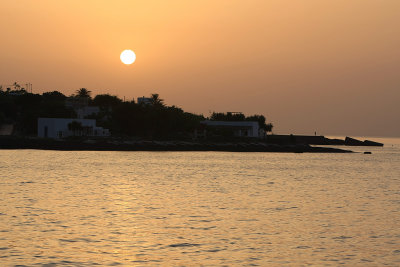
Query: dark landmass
[
  {"x": 136, "y": 126},
  {"x": 354, "y": 142},
  {"x": 152, "y": 119},
  {"x": 120, "y": 145},
  {"x": 318, "y": 140}
]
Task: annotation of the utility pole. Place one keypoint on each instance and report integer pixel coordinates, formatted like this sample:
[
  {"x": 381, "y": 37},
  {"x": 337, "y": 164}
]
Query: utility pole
[{"x": 29, "y": 87}]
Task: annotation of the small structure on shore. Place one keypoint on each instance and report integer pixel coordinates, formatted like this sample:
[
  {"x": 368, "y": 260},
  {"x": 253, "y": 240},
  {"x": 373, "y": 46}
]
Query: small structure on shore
[
  {"x": 235, "y": 128},
  {"x": 144, "y": 100},
  {"x": 64, "y": 127}
]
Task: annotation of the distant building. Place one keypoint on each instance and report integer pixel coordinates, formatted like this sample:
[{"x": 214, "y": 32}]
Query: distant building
[
  {"x": 144, "y": 100},
  {"x": 16, "y": 92},
  {"x": 238, "y": 128},
  {"x": 83, "y": 112},
  {"x": 58, "y": 128},
  {"x": 81, "y": 106}
]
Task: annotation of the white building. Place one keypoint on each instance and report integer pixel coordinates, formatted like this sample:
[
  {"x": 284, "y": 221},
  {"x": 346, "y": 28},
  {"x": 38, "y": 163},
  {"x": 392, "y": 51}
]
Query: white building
[
  {"x": 144, "y": 100},
  {"x": 239, "y": 128},
  {"x": 58, "y": 128}
]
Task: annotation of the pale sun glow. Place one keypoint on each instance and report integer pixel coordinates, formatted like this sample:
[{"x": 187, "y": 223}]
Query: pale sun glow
[{"x": 128, "y": 57}]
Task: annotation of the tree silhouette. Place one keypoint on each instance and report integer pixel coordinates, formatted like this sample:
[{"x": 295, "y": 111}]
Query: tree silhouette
[
  {"x": 54, "y": 96},
  {"x": 156, "y": 100},
  {"x": 83, "y": 92},
  {"x": 75, "y": 127},
  {"x": 268, "y": 127},
  {"x": 16, "y": 86},
  {"x": 106, "y": 100},
  {"x": 229, "y": 116}
]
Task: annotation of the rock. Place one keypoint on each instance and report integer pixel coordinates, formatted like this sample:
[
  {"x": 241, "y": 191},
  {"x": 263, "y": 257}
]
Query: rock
[
  {"x": 353, "y": 142},
  {"x": 372, "y": 143}
]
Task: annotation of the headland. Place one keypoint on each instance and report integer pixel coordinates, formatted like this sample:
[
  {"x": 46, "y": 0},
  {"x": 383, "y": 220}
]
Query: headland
[{"x": 53, "y": 121}]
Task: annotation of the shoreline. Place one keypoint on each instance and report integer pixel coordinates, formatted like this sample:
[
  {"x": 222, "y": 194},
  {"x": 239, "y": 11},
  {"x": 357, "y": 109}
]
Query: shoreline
[{"x": 109, "y": 145}]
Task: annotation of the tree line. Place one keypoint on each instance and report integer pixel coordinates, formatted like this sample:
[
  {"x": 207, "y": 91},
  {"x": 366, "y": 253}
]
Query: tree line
[{"x": 153, "y": 120}]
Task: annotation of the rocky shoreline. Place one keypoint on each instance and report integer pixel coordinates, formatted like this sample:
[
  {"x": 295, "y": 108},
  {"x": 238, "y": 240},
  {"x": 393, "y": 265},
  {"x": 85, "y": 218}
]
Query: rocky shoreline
[
  {"x": 320, "y": 140},
  {"x": 118, "y": 145}
]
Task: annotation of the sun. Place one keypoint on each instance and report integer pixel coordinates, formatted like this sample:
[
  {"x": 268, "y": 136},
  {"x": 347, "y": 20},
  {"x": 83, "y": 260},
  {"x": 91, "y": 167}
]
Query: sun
[{"x": 128, "y": 57}]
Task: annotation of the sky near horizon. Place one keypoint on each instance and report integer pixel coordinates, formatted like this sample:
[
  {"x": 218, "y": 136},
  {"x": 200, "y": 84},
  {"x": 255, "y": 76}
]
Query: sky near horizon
[{"x": 328, "y": 66}]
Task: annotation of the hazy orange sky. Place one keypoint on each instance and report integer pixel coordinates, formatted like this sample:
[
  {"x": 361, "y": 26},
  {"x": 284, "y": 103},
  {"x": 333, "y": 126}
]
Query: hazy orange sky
[{"x": 329, "y": 66}]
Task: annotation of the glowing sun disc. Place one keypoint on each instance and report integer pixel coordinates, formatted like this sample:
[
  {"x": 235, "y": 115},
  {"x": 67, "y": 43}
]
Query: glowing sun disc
[{"x": 128, "y": 57}]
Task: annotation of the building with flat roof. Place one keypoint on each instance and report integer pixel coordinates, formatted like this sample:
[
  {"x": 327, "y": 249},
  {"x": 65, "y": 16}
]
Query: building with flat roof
[
  {"x": 59, "y": 128},
  {"x": 238, "y": 128},
  {"x": 144, "y": 100}
]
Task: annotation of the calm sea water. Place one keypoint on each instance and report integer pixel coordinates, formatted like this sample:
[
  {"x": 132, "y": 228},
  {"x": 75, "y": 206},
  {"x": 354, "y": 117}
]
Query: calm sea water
[{"x": 199, "y": 208}]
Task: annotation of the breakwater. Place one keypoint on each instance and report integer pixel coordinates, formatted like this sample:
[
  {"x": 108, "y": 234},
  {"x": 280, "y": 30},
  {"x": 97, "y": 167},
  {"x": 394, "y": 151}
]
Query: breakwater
[
  {"x": 318, "y": 140},
  {"x": 118, "y": 145}
]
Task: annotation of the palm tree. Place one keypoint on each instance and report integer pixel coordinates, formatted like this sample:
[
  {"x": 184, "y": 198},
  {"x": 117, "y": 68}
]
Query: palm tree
[
  {"x": 83, "y": 92},
  {"x": 156, "y": 100},
  {"x": 16, "y": 85}
]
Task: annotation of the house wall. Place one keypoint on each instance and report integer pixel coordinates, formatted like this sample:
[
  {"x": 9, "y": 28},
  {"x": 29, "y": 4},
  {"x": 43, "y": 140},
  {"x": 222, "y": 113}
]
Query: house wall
[
  {"x": 144, "y": 100},
  {"x": 58, "y": 127},
  {"x": 251, "y": 127}
]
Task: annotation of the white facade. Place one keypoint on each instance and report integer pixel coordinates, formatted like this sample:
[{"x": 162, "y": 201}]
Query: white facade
[
  {"x": 58, "y": 128},
  {"x": 144, "y": 100},
  {"x": 240, "y": 128}
]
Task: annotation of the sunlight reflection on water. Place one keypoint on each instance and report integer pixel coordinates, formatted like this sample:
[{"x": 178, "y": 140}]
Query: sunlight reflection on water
[{"x": 191, "y": 208}]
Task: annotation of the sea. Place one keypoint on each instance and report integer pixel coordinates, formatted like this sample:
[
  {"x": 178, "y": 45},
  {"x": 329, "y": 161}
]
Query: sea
[{"x": 91, "y": 208}]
